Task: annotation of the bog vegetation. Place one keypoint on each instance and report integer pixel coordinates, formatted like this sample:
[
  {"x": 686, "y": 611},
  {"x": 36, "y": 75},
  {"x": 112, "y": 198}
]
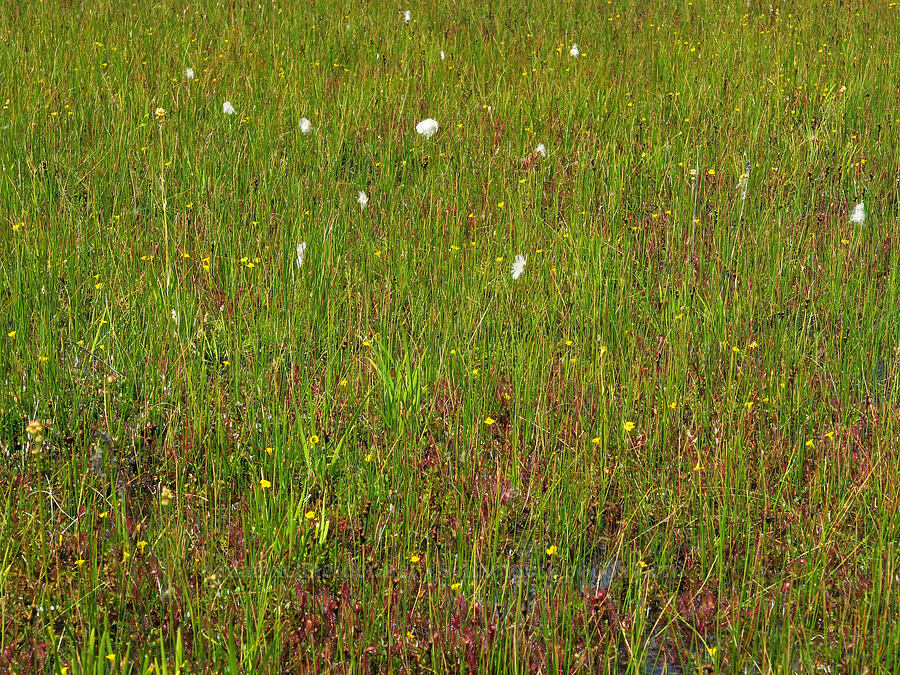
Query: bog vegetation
[{"x": 473, "y": 337}]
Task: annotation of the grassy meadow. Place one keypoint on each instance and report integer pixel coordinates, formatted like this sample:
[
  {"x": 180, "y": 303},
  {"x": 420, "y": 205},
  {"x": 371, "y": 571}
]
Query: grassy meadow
[{"x": 670, "y": 445}]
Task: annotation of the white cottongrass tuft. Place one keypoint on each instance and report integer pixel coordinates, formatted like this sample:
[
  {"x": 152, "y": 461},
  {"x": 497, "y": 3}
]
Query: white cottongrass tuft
[
  {"x": 858, "y": 215},
  {"x": 427, "y": 128},
  {"x": 442, "y": 55},
  {"x": 305, "y": 125},
  {"x": 575, "y": 51},
  {"x": 227, "y": 108},
  {"x": 363, "y": 199},
  {"x": 407, "y": 16},
  {"x": 301, "y": 254},
  {"x": 189, "y": 74},
  {"x": 541, "y": 150},
  {"x": 518, "y": 266}
]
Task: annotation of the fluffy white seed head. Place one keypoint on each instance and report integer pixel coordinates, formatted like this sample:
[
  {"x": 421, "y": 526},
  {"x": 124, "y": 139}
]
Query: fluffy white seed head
[
  {"x": 305, "y": 125},
  {"x": 541, "y": 150},
  {"x": 518, "y": 266},
  {"x": 189, "y": 74},
  {"x": 227, "y": 108},
  {"x": 407, "y": 16},
  {"x": 301, "y": 254},
  {"x": 442, "y": 55},
  {"x": 575, "y": 51},
  {"x": 427, "y": 128},
  {"x": 363, "y": 199},
  {"x": 858, "y": 215}
]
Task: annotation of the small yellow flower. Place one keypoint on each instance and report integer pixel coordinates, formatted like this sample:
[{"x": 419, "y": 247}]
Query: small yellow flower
[
  {"x": 314, "y": 440},
  {"x": 310, "y": 515},
  {"x": 125, "y": 556},
  {"x": 414, "y": 558},
  {"x": 456, "y": 586},
  {"x": 551, "y": 550},
  {"x": 500, "y": 205},
  {"x": 263, "y": 483},
  {"x": 672, "y": 405},
  {"x": 141, "y": 546},
  {"x": 166, "y": 496},
  {"x": 160, "y": 115},
  {"x": 488, "y": 421},
  {"x": 829, "y": 435},
  {"x": 629, "y": 426},
  {"x": 269, "y": 450},
  {"x": 595, "y": 440},
  {"x": 79, "y": 562},
  {"x": 810, "y": 444},
  {"x": 369, "y": 457},
  {"x": 111, "y": 657},
  {"x": 712, "y": 652},
  {"x": 342, "y": 383},
  {"x": 103, "y": 514},
  {"x": 11, "y": 334}
]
